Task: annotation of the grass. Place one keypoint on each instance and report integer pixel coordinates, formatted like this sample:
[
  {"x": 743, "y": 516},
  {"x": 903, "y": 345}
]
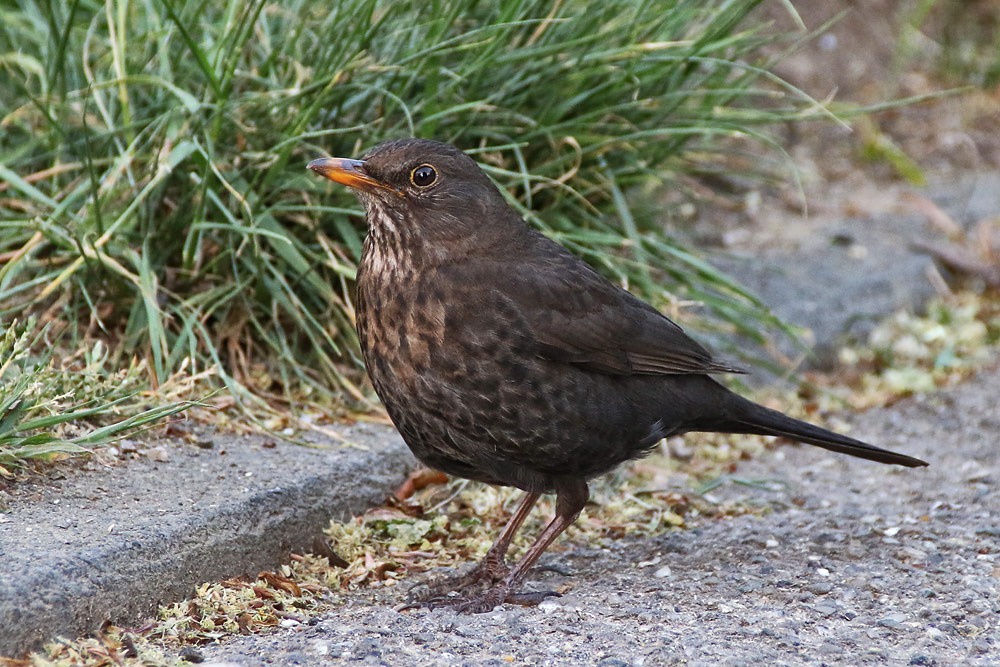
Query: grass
[
  {"x": 43, "y": 402},
  {"x": 152, "y": 183}
]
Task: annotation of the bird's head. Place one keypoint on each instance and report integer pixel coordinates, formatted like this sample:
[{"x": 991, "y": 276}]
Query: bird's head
[{"x": 422, "y": 187}]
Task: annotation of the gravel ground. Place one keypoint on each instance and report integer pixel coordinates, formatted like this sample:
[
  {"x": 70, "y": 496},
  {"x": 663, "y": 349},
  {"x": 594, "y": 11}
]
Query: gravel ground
[{"x": 848, "y": 563}]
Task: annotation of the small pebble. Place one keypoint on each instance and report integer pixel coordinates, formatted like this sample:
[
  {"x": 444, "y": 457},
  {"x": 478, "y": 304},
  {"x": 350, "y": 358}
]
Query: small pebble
[
  {"x": 820, "y": 587},
  {"x": 612, "y": 662},
  {"x": 158, "y": 454},
  {"x": 825, "y": 609},
  {"x": 892, "y": 621},
  {"x": 548, "y": 606}
]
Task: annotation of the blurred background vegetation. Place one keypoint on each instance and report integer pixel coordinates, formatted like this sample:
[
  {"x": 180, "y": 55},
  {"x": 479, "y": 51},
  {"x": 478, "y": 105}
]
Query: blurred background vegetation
[{"x": 154, "y": 201}]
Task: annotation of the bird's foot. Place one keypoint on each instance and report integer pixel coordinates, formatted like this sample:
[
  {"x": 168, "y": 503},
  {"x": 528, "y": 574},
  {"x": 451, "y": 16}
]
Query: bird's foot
[
  {"x": 481, "y": 578},
  {"x": 478, "y": 603}
]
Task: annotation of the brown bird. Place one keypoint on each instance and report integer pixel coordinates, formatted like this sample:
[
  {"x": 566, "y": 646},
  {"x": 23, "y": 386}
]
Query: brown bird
[{"x": 502, "y": 357}]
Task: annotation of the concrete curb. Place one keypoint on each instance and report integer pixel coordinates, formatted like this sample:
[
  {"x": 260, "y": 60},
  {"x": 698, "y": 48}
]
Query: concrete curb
[{"x": 114, "y": 543}]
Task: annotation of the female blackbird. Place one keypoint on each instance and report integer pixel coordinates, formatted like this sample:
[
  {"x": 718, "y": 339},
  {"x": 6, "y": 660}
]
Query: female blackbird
[{"x": 502, "y": 357}]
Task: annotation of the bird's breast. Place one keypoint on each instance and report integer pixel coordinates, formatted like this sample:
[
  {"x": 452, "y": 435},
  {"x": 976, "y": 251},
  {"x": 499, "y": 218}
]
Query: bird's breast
[{"x": 400, "y": 322}]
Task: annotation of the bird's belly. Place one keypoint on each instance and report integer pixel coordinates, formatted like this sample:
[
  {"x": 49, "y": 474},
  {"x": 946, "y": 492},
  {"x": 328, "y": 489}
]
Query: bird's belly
[{"x": 496, "y": 416}]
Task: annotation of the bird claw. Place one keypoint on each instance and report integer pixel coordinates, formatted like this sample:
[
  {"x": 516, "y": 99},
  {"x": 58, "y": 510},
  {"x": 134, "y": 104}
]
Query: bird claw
[
  {"x": 482, "y": 577},
  {"x": 480, "y": 590}
]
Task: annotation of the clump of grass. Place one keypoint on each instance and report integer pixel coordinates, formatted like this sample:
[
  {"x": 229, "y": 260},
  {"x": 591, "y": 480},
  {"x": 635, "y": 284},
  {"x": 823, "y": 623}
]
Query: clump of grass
[
  {"x": 44, "y": 403},
  {"x": 152, "y": 189}
]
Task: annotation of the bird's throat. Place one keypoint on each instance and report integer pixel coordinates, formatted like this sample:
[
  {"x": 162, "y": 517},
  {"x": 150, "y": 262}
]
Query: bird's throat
[{"x": 387, "y": 252}]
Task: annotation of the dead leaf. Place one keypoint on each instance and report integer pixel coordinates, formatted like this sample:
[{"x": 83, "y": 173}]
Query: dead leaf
[
  {"x": 280, "y": 582},
  {"x": 419, "y": 479}
]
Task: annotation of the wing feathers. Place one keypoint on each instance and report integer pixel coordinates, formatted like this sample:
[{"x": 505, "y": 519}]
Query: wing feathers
[{"x": 577, "y": 316}]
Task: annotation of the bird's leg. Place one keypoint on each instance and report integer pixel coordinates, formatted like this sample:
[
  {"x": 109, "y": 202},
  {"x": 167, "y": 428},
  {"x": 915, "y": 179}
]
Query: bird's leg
[
  {"x": 494, "y": 564},
  {"x": 492, "y": 568},
  {"x": 571, "y": 499}
]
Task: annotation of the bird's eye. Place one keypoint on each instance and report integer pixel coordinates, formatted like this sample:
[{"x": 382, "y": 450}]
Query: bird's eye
[{"x": 423, "y": 176}]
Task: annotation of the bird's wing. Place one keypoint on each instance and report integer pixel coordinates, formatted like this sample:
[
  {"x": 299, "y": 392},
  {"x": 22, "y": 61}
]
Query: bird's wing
[{"x": 577, "y": 316}]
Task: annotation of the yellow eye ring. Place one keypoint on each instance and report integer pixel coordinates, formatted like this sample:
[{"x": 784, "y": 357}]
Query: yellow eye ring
[{"x": 424, "y": 176}]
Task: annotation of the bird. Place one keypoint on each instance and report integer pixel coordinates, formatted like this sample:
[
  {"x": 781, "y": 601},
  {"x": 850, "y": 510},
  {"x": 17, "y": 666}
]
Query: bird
[{"x": 502, "y": 357}]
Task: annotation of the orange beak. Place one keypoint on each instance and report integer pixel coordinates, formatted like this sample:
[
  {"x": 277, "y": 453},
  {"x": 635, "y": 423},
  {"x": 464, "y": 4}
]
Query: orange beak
[{"x": 346, "y": 172}]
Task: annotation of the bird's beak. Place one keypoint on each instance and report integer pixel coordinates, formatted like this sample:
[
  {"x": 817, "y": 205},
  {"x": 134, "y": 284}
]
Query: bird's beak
[{"x": 344, "y": 171}]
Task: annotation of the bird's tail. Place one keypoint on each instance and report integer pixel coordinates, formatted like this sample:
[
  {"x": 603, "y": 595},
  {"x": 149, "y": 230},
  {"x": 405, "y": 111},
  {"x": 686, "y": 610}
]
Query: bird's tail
[{"x": 749, "y": 417}]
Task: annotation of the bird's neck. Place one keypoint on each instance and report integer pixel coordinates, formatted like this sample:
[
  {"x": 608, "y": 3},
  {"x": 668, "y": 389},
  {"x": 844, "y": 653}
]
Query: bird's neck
[
  {"x": 389, "y": 252},
  {"x": 397, "y": 247}
]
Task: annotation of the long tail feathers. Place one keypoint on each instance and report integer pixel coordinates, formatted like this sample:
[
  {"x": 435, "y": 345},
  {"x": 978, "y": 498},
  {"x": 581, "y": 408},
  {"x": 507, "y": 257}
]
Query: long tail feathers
[{"x": 764, "y": 421}]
